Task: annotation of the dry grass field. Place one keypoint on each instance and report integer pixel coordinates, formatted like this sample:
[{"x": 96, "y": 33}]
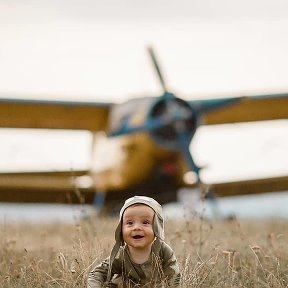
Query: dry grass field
[{"x": 211, "y": 253}]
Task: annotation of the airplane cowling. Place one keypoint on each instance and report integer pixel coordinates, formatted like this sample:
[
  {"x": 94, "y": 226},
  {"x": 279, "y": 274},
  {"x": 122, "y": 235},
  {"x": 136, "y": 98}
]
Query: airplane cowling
[
  {"x": 164, "y": 120},
  {"x": 180, "y": 119}
]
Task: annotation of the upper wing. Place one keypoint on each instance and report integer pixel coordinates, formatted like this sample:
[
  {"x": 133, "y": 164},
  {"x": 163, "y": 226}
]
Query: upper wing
[
  {"x": 17, "y": 113},
  {"x": 242, "y": 109}
]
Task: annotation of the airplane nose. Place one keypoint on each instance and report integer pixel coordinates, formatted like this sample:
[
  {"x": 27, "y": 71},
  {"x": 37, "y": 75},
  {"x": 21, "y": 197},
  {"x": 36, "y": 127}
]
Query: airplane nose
[{"x": 177, "y": 116}]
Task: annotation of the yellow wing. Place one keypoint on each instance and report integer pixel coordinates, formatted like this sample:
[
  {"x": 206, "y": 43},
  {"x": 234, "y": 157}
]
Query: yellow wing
[
  {"x": 53, "y": 187},
  {"x": 246, "y": 187},
  {"x": 49, "y": 186},
  {"x": 16, "y": 113},
  {"x": 268, "y": 107}
]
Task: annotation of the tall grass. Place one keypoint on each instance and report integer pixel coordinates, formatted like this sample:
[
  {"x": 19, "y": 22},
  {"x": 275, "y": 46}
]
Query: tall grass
[{"x": 211, "y": 253}]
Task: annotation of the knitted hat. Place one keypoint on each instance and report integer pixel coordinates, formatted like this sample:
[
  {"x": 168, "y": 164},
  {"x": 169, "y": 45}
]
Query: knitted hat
[{"x": 158, "y": 225}]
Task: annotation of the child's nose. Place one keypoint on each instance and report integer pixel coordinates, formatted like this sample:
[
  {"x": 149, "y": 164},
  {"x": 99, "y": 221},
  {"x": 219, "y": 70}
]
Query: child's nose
[{"x": 137, "y": 226}]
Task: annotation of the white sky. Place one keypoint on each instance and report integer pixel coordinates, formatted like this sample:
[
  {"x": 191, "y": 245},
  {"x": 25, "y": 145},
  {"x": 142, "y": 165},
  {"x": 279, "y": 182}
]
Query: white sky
[
  {"x": 88, "y": 49},
  {"x": 95, "y": 50}
]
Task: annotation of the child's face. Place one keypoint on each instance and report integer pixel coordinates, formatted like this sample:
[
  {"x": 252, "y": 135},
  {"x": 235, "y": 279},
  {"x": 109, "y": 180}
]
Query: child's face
[{"x": 137, "y": 229}]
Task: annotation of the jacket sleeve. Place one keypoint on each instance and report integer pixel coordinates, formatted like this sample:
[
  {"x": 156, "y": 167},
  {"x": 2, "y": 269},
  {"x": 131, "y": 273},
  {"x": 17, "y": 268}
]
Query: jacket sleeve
[
  {"x": 98, "y": 276},
  {"x": 170, "y": 267}
]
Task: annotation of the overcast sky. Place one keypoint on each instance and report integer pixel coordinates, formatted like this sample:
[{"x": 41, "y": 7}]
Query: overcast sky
[{"x": 96, "y": 49}]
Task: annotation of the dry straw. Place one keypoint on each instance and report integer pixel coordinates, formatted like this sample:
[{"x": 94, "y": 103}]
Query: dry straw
[{"x": 211, "y": 253}]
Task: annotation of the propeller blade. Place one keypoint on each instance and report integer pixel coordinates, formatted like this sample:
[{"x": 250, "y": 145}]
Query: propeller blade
[{"x": 157, "y": 68}]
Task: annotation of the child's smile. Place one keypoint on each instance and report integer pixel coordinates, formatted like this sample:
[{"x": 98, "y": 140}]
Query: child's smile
[{"x": 137, "y": 236}]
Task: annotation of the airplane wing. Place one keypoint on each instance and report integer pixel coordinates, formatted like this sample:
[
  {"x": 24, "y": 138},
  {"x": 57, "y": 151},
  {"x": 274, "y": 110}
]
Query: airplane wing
[
  {"x": 242, "y": 109},
  {"x": 50, "y": 187},
  {"x": 58, "y": 186},
  {"x": 246, "y": 187},
  {"x": 17, "y": 113}
]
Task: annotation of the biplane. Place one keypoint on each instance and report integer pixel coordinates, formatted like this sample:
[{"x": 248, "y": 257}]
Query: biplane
[{"x": 150, "y": 139}]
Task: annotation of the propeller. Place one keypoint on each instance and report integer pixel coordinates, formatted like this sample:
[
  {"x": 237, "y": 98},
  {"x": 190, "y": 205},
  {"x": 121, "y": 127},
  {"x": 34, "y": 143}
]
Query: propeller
[
  {"x": 172, "y": 121},
  {"x": 178, "y": 117},
  {"x": 172, "y": 118},
  {"x": 157, "y": 69}
]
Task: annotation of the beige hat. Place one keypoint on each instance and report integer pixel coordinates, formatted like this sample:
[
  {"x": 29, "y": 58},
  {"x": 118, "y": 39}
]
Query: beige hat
[{"x": 158, "y": 223}]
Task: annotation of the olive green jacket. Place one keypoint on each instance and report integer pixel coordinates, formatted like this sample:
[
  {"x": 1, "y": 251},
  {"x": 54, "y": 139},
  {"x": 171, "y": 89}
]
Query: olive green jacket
[{"x": 161, "y": 270}]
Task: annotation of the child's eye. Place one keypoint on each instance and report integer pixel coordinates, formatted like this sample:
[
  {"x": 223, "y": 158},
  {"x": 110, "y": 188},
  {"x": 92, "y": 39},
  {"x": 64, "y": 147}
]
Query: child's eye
[
  {"x": 146, "y": 222},
  {"x": 129, "y": 223}
]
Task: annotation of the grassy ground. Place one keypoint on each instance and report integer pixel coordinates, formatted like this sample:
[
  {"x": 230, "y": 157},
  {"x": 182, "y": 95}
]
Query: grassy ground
[{"x": 211, "y": 253}]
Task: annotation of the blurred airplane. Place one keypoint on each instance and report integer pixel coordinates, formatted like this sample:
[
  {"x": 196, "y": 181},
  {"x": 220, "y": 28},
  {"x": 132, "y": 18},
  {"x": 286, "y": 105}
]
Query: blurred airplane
[{"x": 150, "y": 139}]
